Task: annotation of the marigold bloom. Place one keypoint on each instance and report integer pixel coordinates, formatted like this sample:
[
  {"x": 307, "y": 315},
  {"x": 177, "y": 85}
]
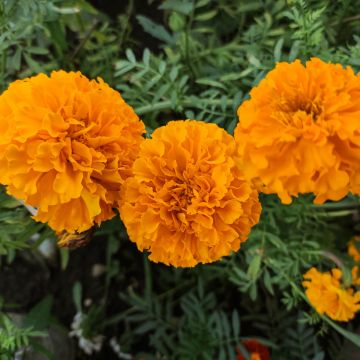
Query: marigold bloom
[
  {"x": 326, "y": 295},
  {"x": 355, "y": 276},
  {"x": 66, "y": 146},
  {"x": 257, "y": 350},
  {"x": 299, "y": 131},
  {"x": 353, "y": 248},
  {"x": 187, "y": 201}
]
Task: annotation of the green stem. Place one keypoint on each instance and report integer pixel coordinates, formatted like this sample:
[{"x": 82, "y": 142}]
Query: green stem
[
  {"x": 83, "y": 41},
  {"x": 148, "y": 277},
  {"x": 340, "y": 213}
]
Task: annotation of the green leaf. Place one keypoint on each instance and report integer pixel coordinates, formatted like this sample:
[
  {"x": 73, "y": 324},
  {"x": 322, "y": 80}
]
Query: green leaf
[
  {"x": 42, "y": 350},
  {"x": 16, "y": 60},
  {"x": 177, "y": 22},
  {"x": 354, "y": 338},
  {"x": 206, "y": 16},
  {"x": 277, "y": 49},
  {"x": 37, "y": 50},
  {"x": 267, "y": 282},
  {"x": 146, "y": 57},
  {"x": 254, "y": 267},
  {"x": 130, "y": 55},
  {"x": 58, "y": 37},
  {"x": 64, "y": 258},
  {"x": 39, "y": 316},
  {"x": 182, "y": 6},
  {"x": 162, "y": 67},
  {"x": 146, "y": 327},
  {"x": 156, "y": 30},
  {"x": 77, "y": 295},
  {"x": 173, "y": 73},
  {"x": 235, "y": 323},
  {"x": 206, "y": 81},
  {"x": 34, "y": 66}
]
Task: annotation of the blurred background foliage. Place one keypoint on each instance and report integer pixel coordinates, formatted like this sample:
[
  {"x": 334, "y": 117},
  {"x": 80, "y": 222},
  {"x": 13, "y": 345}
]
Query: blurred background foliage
[{"x": 173, "y": 59}]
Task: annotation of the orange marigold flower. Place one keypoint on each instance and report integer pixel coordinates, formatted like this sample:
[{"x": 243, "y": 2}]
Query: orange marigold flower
[
  {"x": 353, "y": 248},
  {"x": 355, "y": 276},
  {"x": 187, "y": 201},
  {"x": 326, "y": 295},
  {"x": 66, "y": 146},
  {"x": 257, "y": 350},
  {"x": 299, "y": 131}
]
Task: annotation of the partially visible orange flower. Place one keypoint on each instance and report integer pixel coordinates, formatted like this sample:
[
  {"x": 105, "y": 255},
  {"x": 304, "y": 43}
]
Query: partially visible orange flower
[
  {"x": 355, "y": 276},
  {"x": 353, "y": 249},
  {"x": 257, "y": 350},
  {"x": 299, "y": 132},
  {"x": 188, "y": 202},
  {"x": 66, "y": 146},
  {"x": 326, "y": 295}
]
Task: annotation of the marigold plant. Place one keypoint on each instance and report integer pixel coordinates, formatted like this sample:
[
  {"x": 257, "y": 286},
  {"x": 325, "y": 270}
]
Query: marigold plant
[
  {"x": 188, "y": 202},
  {"x": 355, "y": 275},
  {"x": 355, "y": 255},
  {"x": 353, "y": 248},
  {"x": 327, "y": 294},
  {"x": 298, "y": 133},
  {"x": 66, "y": 146}
]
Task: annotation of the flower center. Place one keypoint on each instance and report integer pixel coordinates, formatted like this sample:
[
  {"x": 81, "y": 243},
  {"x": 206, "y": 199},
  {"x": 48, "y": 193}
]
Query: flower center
[
  {"x": 299, "y": 112},
  {"x": 182, "y": 194}
]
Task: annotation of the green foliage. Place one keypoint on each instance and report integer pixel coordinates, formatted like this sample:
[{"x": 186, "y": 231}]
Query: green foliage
[
  {"x": 205, "y": 57},
  {"x": 16, "y": 226},
  {"x": 14, "y": 339},
  {"x": 201, "y": 330}
]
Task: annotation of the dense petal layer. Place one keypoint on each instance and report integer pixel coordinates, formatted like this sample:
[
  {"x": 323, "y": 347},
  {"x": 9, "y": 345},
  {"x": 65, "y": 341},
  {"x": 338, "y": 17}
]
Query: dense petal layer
[
  {"x": 66, "y": 146},
  {"x": 187, "y": 201},
  {"x": 300, "y": 131},
  {"x": 326, "y": 295}
]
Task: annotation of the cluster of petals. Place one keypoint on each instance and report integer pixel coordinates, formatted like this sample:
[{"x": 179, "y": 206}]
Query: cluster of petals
[
  {"x": 353, "y": 248},
  {"x": 328, "y": 296},
  {"x": 354, "y": 253},
  {"x": 299, "y": 131},
  {"x": 187, "y": 201},
  {"x": 66, "y": 146},
  {"x": 256, "y": 349}
]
